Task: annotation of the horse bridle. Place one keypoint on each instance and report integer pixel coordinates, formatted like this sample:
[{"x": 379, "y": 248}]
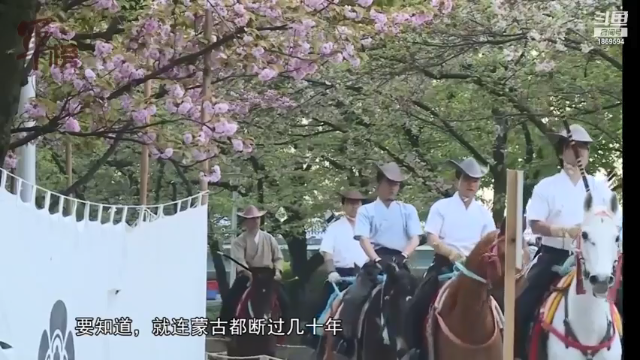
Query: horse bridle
[{"x": 581, "y": 268}]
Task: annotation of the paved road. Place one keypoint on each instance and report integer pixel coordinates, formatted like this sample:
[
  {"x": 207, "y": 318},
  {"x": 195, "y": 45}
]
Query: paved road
[{"x": 215, "y": 345}]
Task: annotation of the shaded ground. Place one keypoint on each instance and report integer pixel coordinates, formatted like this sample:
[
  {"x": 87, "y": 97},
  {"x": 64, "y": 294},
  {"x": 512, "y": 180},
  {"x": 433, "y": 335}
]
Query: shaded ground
[{"x": 216, "y": 345}]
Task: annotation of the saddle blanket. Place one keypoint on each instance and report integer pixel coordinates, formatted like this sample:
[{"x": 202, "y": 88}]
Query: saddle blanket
[
  {"x": 334, "y": 305},
  {"x": 431, "y": 322},
  {"x": 547, "y": 312}
]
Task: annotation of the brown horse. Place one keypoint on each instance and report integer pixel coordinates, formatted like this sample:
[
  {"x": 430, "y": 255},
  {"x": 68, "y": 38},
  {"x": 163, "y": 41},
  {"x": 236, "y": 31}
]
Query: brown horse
[
  {"x": 465, "y": 322},
  {"x": 258, "y": 306},
  {"x": 497, "y": 290}
]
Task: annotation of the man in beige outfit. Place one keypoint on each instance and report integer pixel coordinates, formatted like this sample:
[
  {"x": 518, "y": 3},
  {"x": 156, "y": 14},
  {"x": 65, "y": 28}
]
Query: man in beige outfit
[{"x": 253, "y": 248}]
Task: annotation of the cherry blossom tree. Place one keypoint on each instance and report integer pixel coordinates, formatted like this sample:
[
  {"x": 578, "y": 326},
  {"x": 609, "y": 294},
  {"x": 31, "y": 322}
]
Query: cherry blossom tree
[{"x": 256, "y": 54}]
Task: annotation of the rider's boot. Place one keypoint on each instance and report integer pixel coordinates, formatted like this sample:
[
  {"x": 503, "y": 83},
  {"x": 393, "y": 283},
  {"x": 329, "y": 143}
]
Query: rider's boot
[
  {"x": 420, "y": 306},
  {"x": 539, "y": 280}
]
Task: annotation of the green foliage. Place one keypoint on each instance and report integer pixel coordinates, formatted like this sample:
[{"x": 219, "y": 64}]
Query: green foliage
[{"x": 287, "y": 274}]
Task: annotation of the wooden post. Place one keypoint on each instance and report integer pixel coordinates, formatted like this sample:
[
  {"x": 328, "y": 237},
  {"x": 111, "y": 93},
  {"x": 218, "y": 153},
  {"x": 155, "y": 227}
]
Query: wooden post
[
  {"x": 513, "y": 241},
  {"x": 206, "y": 93},
  {"x": 69, "y": 169},
  {"x": 144, "y": 158}
]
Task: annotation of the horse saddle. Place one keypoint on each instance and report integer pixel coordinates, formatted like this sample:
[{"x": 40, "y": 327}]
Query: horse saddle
[
  {"x": 332, "y": 310},
  {"x": 431, "y": 322},
  {"x": 538, "y": 336}
]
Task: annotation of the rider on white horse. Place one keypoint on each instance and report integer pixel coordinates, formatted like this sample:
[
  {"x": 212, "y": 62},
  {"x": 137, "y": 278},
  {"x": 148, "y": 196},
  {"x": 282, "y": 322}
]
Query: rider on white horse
[
  {"x": 555, "y": 212},
  {"x": 454, "y": 226}
]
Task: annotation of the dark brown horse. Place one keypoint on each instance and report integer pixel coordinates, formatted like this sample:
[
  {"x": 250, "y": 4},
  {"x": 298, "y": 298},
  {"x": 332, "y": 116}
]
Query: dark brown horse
[
  {"x": 382, "y": 335},
  {"x": 464, "y": 323},
  {"x": 381, "y": 331},
  {"x": 260, "y": 304}
]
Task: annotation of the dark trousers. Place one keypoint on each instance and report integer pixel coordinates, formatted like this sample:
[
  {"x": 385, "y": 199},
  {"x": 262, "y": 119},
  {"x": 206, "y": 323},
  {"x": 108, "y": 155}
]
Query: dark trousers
[
  {"x": 423, "y": 298},
  {"x": 328, "y": 290},
  {"x": 358, "y": 293},
  {"x": 237, "y": 290},
  {"x": 539, "y": 280}
]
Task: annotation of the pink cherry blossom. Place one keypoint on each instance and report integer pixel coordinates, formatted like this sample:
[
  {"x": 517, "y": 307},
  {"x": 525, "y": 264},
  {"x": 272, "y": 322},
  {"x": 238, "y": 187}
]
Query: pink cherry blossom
[
  {"x": 267, "y": 74},
  {"x": 238, "y": 145},
  {"x": 71, "y": 125},
  {"x": 101, "y": 90},
  {"x": 214, "y": 176},
  {"x": 11, "y": 161}
]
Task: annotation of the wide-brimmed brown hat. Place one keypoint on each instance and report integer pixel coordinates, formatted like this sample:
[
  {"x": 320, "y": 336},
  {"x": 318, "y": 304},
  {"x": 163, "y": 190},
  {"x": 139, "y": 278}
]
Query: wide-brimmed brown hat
[
  {"x": 351, "y": 194},
  {"x": 392, "y": 172},
  {"x": 251, "y": 212},
  {"x": 470, "y": 167},
  {"x": 577, "y": 131}
]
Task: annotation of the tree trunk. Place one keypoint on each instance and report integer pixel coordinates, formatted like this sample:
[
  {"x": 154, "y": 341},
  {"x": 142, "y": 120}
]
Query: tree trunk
[
  {"x": 12, "y": 12},
  {"x": 499, "y": 167}
]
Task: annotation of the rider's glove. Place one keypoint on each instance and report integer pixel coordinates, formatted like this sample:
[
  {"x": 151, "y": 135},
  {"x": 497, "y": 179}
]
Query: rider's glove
[
  {"x": 334, "y": 277},
  {"x": 451, "y": 254},
  {"x": 455, "y": 256},
  {"x": 405, "y": 258}
]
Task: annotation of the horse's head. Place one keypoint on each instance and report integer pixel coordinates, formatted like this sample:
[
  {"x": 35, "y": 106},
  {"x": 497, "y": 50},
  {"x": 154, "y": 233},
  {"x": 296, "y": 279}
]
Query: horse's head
[
  {"x": 262, "y": 290},
  {"x": 485, "y": 261},
  {"x": 598, "y": 245}
]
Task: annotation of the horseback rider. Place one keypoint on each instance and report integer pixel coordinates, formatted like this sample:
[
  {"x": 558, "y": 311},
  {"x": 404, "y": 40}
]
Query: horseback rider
[
  {"x": 388, "y": 231},
  {"x": 555, "y": 212},
  {"x": 253, "y": 248},
  {"x": 338, "y": 247},
  {"x": 454, "y": 226}
]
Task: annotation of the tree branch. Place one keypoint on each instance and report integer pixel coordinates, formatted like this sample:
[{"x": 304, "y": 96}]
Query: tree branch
[
  {"x": 453, "y": 132},
  {"x": 188, "y": 58},
  {"x": 88, "y": 176}
]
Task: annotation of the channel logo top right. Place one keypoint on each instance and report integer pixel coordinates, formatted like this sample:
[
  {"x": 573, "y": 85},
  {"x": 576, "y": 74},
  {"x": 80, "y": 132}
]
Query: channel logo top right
[{"x": 611, "y": 27}]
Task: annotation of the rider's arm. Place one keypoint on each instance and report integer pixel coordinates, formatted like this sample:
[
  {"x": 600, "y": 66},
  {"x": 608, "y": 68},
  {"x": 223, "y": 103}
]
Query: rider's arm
[
  {"x": 414, "y": 230},
  {"x": 362, "y": 233},
  {"x": 276, "y": 254},
  {"x": 326, "y": 248},
  {"x": 433, "y": 226},
  {"x": 238, "y": 246},
  {"x": 538, "y": 211}
]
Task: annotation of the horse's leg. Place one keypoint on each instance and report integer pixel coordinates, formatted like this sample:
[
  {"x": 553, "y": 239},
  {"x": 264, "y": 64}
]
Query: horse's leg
[
  {"x": 328, "y": 348},
  {"x": 320, "y": 349}
]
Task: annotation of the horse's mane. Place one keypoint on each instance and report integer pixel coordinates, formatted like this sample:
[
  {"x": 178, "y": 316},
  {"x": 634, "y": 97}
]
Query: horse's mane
[{"x": 482, "y": 247}]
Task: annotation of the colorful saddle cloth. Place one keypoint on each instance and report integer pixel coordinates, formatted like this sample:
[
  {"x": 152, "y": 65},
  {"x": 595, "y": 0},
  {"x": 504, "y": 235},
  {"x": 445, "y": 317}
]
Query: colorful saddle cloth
[{"x": 547, "y": 312}]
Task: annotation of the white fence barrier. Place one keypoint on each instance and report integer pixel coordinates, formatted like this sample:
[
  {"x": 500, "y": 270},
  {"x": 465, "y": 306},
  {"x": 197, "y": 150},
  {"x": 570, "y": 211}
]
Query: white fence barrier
[{"x": 56, "y": 269}]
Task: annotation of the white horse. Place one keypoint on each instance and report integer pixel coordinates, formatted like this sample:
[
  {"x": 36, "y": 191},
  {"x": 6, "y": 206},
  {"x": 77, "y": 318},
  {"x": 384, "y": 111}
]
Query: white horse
[{"x": 591, "y": 332}]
